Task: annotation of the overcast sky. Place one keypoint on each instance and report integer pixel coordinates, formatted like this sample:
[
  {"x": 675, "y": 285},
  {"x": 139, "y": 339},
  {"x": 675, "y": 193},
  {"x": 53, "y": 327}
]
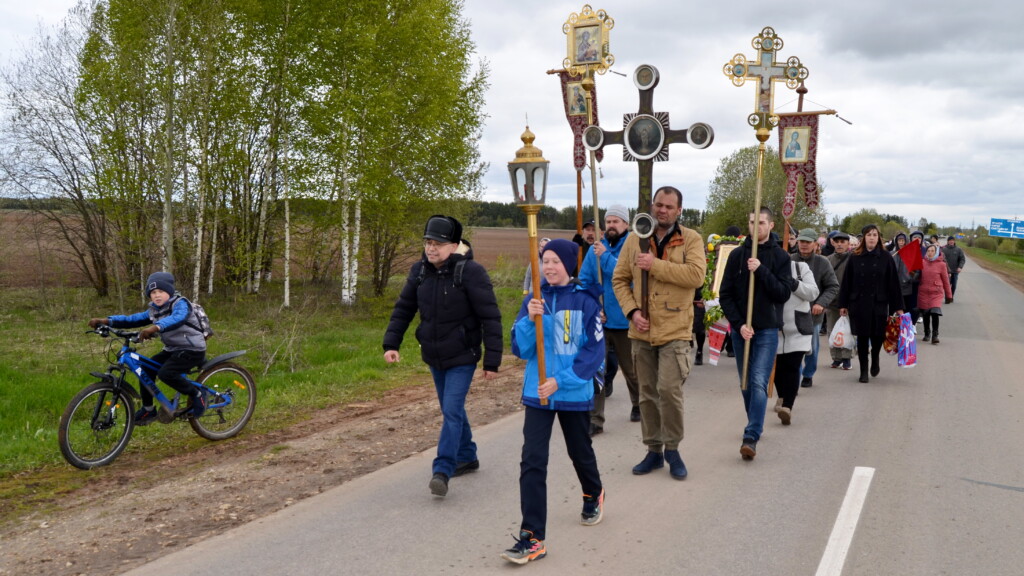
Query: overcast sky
[{"x": 934, "y": 92}]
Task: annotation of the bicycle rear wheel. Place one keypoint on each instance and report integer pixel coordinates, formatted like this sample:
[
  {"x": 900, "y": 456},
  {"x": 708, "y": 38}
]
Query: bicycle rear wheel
[
  {"x": 231, "y": 400},
  {"x": 96, "y": 426}
]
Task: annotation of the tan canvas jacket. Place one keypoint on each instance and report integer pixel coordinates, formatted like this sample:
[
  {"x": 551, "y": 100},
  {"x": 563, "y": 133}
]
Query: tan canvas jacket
[{"x": 671, "y": 283}]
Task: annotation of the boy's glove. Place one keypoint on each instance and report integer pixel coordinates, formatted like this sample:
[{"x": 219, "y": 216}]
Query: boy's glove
[
  {"x": 97, "y": 322},
  {"x": 148, "y": 332}
]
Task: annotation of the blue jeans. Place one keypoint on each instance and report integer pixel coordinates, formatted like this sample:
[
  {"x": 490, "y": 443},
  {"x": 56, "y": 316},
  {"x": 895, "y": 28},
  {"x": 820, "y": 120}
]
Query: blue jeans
[
  {"x": 952, "y": 282},
  {"x": 811, "y": 359},
  {"x": 456, "y": 441},
  {"x": 762, "y": 357}
]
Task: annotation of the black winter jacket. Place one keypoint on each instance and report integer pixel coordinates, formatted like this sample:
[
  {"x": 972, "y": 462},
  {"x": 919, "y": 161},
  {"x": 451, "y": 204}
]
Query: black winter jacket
[
  {"x": 773, "y": 283},
  {"x": 870, "y": 291},
  {"x": 454, "y": 321}
]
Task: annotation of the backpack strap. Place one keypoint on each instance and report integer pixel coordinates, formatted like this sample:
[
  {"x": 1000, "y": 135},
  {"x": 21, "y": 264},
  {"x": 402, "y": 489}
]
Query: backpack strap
[
  {"x": 457, "y": 271},
  {"x": 190, "y": 316}
]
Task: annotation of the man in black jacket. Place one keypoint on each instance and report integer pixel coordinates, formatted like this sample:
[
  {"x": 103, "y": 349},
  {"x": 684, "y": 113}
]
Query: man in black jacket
[
  {"x": 773, "y": 283},
  {"x": 458, "y": 311}
]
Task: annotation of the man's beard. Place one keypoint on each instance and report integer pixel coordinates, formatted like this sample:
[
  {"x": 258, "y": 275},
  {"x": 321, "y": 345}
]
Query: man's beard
[{"x": 612, "y": 236}]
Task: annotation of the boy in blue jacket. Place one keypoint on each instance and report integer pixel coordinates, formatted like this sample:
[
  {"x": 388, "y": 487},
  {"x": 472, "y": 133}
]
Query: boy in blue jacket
[
  {"x": 170, "y": 316},
  {"x": 574, "y": 350}
]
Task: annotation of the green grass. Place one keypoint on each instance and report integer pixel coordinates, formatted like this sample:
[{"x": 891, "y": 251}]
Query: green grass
[
  {"x": 1007, "y": 263},
  {"x": 314, "y": 355}
]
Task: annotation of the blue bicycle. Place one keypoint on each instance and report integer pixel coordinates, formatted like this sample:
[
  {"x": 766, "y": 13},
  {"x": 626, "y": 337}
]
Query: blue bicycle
[{"x": 98, "y": 422}]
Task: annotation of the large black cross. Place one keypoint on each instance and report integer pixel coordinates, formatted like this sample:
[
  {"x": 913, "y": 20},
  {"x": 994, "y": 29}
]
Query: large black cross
[{"x": 646, "y": 135}]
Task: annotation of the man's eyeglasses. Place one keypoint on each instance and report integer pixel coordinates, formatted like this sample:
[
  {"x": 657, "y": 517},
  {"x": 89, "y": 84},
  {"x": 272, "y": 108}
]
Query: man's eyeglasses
[{"x": 434, "y": 244}]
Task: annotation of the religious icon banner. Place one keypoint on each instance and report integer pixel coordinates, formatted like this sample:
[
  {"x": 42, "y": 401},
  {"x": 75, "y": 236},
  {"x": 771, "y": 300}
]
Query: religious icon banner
[
  {"x": 798, "y": 149},
  {"x": 574, "y": 98}
]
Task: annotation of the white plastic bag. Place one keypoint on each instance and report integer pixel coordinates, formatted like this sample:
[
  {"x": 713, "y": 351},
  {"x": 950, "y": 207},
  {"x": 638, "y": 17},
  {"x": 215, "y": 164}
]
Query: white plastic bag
[{"x": 842, "y": 335}]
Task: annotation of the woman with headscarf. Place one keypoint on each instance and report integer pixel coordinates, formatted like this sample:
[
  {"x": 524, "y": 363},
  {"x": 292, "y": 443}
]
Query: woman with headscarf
[
  {"x": 934, "y": 286},
  {"x": 870, "y": 292}
]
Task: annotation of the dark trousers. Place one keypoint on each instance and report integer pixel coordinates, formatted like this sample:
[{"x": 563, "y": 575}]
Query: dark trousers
[
  {"x": 533, "y": 469},
  {"x": 787, "y": 376},
  {"x": 173, "y": 366},
  {"x": 931, "y": 323},
  {"x": 952, "y": 281},
  {"x": 699, "y": 333},
  {"x": 876, "y": 340}
]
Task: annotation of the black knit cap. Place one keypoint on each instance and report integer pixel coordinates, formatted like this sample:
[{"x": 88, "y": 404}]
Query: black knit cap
[
  {"x": 160, "y": 281},
  {"x": 443, "y": 229}
]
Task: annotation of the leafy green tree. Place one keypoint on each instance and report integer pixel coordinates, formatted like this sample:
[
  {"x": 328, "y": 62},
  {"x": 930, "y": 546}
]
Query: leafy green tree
[{"x": 732, "y": 191}]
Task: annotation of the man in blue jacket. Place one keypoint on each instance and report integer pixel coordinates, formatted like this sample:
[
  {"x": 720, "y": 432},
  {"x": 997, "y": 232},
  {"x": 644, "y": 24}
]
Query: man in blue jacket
[
  {"x": 458, "y": 311},
  {"x": 616, "y": 325}
]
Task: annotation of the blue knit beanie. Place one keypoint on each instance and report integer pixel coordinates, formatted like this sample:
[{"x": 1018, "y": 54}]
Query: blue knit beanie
[
  {"x": 160, "y": 281},
  {"x": 566, "y": 252}
]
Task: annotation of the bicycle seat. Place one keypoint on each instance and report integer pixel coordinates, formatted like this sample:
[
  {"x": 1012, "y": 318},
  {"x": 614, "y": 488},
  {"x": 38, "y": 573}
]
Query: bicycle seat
[{"x": 222, "y": 358}]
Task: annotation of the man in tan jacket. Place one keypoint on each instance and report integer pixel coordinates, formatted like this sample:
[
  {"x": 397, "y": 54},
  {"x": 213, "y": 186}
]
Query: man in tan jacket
[{"x": 661, "y": 343}]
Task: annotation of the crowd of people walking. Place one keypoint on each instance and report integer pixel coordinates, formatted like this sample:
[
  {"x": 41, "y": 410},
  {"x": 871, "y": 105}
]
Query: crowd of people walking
[{"x": 613, "y": 300}]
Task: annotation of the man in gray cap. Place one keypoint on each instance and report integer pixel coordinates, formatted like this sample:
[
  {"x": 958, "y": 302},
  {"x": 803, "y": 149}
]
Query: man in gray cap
[
  {"x": 616, "y": 325},
  {"x": 841, "y": 357},
  {"x": 828, "y": 289}
]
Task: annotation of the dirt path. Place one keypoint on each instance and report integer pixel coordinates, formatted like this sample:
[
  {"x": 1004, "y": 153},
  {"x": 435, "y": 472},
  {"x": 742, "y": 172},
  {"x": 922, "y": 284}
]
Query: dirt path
[{"x": 149, "y": 510}]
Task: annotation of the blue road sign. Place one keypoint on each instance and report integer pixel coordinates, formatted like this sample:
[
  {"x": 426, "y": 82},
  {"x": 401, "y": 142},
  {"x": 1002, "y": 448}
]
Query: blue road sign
[{"x": 1006, "y": 228}]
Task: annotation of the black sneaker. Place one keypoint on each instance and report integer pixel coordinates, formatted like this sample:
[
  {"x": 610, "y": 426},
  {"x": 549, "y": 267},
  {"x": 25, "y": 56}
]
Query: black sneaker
[
  {"x": 439, "y": 484},
  {"x": 466, "y": 467},
  {"x": 608, "y": 387},
  {"x": 634, "y": 414},
  {"x": 749, "y": 449},
  {"x": 699, "y": 359},
  {"x": 806, "y": 383},
  {"x": 593, "y": 509},
  {"x": 595, "y": 430},
  {"x": 525, "y": 549},
  {"x": 145, "y": 416}
]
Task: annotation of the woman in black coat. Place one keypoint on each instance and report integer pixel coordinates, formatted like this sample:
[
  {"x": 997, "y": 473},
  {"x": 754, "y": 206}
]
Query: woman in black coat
[{"x": 869, "y": 294}]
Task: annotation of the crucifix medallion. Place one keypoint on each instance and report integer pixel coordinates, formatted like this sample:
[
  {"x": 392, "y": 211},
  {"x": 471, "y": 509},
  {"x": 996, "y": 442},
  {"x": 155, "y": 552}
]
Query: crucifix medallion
[
  {"x": 646, "y": 135},
  {"x": 766, "y": 72}
]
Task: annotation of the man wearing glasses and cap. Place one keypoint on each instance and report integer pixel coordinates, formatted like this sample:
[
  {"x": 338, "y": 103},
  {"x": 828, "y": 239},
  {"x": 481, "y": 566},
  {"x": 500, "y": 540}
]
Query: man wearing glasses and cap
[{"x": 458, "y": 312}]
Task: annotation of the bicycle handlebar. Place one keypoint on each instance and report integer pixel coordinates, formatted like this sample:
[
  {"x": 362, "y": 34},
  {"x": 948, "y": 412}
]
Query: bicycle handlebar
[{"x": 105, "y": 331}]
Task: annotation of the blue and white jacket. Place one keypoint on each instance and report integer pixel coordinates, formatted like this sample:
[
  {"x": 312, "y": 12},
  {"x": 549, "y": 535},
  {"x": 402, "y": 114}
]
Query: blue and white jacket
[
  {"x": 173, "y": 318},
  {"x": 574, "y": 346},
  {"x": 614, "y": 317}
]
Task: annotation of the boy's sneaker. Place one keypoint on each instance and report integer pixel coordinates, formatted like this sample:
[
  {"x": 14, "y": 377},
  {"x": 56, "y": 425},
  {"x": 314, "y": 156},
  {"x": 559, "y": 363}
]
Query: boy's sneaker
[
  {"x": 847, "y": 365},
  {"x": 145, "y": 416},
  {"x": 197, "y": 405},
  {"x": 593, "y": 509},
  {"x": 526, "y": 548}
]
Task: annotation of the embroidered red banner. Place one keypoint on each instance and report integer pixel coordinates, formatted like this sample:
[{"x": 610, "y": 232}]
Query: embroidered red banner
[
  {"x": 798, "y": 149},
  {"x": 574, "y": 98}
]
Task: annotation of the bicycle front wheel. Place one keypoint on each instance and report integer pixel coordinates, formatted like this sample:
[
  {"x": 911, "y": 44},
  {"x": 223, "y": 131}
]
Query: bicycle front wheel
[
  {"x": 231, "y": 400},
  {"x": 96, "y": 426}
]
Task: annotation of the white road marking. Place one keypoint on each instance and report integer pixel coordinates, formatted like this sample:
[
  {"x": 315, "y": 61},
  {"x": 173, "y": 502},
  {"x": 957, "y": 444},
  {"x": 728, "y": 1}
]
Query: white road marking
[{"x": 846, "y": 523}]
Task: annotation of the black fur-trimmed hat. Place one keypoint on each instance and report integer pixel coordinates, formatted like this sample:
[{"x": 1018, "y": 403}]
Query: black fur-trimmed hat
[{"x": 443, "y": 229}]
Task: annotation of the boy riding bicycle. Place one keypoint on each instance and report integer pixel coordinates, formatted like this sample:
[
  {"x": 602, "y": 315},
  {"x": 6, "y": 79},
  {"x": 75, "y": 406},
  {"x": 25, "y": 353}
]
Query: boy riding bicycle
[{"x": 173, "y": 318}]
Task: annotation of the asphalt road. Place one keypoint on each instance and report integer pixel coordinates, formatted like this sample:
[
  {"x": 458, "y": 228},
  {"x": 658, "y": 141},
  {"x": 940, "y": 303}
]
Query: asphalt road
[{"x": 944, "y": 441}]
